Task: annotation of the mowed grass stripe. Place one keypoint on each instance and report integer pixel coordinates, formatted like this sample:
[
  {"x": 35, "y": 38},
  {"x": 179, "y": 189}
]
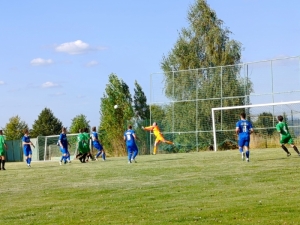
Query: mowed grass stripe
[{"x": 186, "y": 188}]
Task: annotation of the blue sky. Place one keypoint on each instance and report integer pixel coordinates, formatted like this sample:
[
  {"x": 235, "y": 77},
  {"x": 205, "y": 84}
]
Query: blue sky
[{"x": 59, "y": 54}]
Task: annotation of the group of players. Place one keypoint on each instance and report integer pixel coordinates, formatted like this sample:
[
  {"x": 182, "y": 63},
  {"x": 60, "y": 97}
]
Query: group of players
[{"x": 243, "y": 130}]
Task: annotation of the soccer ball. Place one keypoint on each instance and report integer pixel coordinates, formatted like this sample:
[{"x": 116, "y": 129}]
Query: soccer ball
[{"x": 116, "y": 106}]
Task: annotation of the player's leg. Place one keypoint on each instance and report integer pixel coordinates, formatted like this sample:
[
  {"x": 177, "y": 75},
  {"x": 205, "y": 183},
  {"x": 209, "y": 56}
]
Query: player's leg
[
  {"x": 3, "y": 161},
  {"x": 282, "y": 143},
  {"x": 291, "y": 142},
  {"x": 29, "y": 158},
  {"x": 241, "y": 143},
  {"x": 135, "y": 152},
  {"x": 157, "y": 141},
  {"x": 247, "y": 151},
  {"x": 0, "y": 161},
  {"x": 129, "y": 152}
]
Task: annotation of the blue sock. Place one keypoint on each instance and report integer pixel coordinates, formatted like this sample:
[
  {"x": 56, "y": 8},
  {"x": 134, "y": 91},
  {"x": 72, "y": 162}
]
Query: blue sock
[
  {"x": 129, "y": 156},
  {"x": 99, "y": 153},
  {"x": 135, "y": 154},
  {"x": 62, "y": 158},
  {"x": 241, "y": 149},
  {"x": 103, "y": 156},
  {"x": 68, "y": 158},
  {"x": 247, "y": 154},
  {"x": 27, "y": 160}
]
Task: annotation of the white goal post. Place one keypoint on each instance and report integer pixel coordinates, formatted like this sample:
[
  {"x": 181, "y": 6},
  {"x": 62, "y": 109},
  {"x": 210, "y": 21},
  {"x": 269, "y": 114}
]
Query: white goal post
[{"x": 242, "y": 107}]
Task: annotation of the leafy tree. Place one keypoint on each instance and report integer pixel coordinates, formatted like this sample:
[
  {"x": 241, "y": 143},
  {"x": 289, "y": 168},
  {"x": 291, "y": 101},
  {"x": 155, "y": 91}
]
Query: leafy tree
[
  {"x": 79, "y": 121},
  {"x": 265, "y": 120},
  {"x": 140, "y": 103},
  {"x": 46, "y": 124},
  {"x": 142, "y": 116},
  {"x": 14, "y": 129},
  {"x": 114, "y": 121},
  {"x": 204, "y": 44}
]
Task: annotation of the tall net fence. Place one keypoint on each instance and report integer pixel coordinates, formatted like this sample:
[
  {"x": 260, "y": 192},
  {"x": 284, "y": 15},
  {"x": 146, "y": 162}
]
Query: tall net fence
[{"x": 181, "y": 101}]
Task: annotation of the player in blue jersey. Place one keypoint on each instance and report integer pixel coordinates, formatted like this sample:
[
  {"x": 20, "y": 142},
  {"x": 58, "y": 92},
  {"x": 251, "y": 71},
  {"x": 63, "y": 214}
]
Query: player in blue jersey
[
  {"x": 243, "y": 130},
  {"x": 27, "y": 147},
  {"x": 97, "y": 145},
  {"x": 132, "y": 149},
  {"x": 63, "y": 143}
]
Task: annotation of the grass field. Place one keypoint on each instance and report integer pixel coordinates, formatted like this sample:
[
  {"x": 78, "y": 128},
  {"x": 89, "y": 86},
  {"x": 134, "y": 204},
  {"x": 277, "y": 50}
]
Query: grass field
[{"x": 186, "y": 188}]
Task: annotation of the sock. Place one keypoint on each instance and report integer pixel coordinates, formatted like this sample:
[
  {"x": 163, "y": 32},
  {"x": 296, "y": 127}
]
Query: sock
[
  {"x": 103, "y": 155},
  {"x": 3, "y": 163},
  {"x": 135, "y": 154},
  {"x": 129, "y": 155},
  {"x": 154, "y": 150},
  {"x": 241, "y": 149},
  {"x": 62, "y": 158},
  {"x": 29, "y": 161},
  {"x": 247, "y": 154},
  {"x": 98, "y": 154},
  {"x": 68, "y": 158},
  {"x": 0, "y": 160},
  {"x": 285, "y": 149},
  {"x": 296, "y": 149}
]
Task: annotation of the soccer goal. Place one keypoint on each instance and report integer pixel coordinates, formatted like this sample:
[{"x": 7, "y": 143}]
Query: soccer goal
[
  {"x": 47, "y": 148},
  {"x": 263, "y": 118}
]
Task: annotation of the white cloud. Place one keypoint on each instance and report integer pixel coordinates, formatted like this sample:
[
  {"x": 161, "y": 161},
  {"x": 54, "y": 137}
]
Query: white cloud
[
  {"x": 76, "y": 47},
  {"x": 41, "y": 62},
  {"x": 49, "y": 84},
  {"x": 92, "y": 63},
  {"x": 1, "y": 82}
]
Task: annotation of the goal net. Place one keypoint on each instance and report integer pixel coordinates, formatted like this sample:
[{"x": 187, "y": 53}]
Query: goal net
[
  {"x": 47, "y": 148},
  {"x": 264, "y": 120}
]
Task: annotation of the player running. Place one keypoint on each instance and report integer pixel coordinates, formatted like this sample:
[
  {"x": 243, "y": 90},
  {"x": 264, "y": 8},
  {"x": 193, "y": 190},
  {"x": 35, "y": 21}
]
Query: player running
[
  {"x": 158, "y": 135},
  {"x": 3, "y": 147},
  {"x": 26, "y": 147},
  {"x": 132, "y": 149},
  {"x": 243, "y": 130},
  {"x": 63, "y": 143},
  {"x": 285, "y": 136},
  {"x": 97, "y": 145}
]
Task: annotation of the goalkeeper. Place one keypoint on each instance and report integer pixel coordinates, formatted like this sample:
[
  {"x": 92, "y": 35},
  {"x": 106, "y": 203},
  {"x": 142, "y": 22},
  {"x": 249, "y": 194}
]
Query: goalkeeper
[
  {"x": 82, "y": 146},
  {"x": 285, "y": 136},
  {"x": 158, "y": 135}
]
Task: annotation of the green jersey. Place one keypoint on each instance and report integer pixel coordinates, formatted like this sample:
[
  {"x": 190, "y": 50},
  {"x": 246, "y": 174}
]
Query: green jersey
[
  {"x": 2, "y": 142},
  {"x": 285, "y": 136},
  {"x": 80, "y": 142},
  {"x": 86, "y": 142}
]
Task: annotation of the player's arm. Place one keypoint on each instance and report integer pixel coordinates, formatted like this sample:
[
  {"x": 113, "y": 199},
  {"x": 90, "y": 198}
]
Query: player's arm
[
  {"x": 150, "y": 128},
  {"x": 237, "y": 131}
]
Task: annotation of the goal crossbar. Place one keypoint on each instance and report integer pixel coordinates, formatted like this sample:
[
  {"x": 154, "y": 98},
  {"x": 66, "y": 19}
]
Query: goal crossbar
[{"x": 241, "y": 107}]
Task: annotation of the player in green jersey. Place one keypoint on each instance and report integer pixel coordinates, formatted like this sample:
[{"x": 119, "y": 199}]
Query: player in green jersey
[
  {"x": 285, "y": 136},
  {"x": 3, "y": 147}
]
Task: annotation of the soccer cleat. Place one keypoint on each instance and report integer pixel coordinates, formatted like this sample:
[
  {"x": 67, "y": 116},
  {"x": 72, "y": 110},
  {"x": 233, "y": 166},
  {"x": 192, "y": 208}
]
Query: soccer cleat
[
  {"x": 247, "y": 159},
  {"x": 28, "y": 165},
  {"x": 289, "y": 154},
  {"x": 69, "y": 161},
  {"x": 96, "y": 159},
  {"x": 3, "y": 168},
  {"x": 65, "y": 162},
  {"x": 103, "y": 160},
  {"x": 129, "y": 162},
  {"x": 60, "y": 163}
]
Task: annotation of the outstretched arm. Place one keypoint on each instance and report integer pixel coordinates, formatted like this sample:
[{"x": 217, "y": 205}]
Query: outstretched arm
[{"x": 150, "y": 128}]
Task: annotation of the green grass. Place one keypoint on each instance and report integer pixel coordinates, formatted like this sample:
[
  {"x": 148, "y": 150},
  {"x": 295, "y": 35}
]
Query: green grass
[{"x": 185, "y": 188}]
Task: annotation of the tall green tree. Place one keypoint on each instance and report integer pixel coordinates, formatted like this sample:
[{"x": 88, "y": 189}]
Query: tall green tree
[
  {"x": 14, "y": 129},
  {"x": 141, "y": 107},
  {"x": 142, "y": 116},
  {"x": 114, "y": 121},
  {"x": 265, "y": 120},
  {"x": 79, "y": 121},
  {"x": 46, "y": 124},
  {"x": 206, "y": 44}
]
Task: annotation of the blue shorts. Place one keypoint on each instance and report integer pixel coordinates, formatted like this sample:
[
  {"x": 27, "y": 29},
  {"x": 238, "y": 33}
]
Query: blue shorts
[
  {"x": 27, "y": 152},
  {"x": 244, "y": 142},
  {"x": 64, "y": 150},
  {"x": 98, "y": 146},
  {"x": 132, "y": 148}
]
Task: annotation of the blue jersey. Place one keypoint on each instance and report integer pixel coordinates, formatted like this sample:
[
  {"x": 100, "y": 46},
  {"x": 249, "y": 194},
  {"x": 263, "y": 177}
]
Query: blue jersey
[
  {"x": 95, "y": 137},
  {"x": 26, "y": 139},
  {"x": 245, "y": 128},
  {"x": 64, "y": 141},
  {"x": 130, "y": 141}
]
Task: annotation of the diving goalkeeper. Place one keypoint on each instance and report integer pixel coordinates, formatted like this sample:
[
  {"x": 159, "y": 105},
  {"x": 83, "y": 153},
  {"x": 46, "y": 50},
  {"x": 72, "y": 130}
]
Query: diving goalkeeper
[{"x": 158, "y": 135}]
